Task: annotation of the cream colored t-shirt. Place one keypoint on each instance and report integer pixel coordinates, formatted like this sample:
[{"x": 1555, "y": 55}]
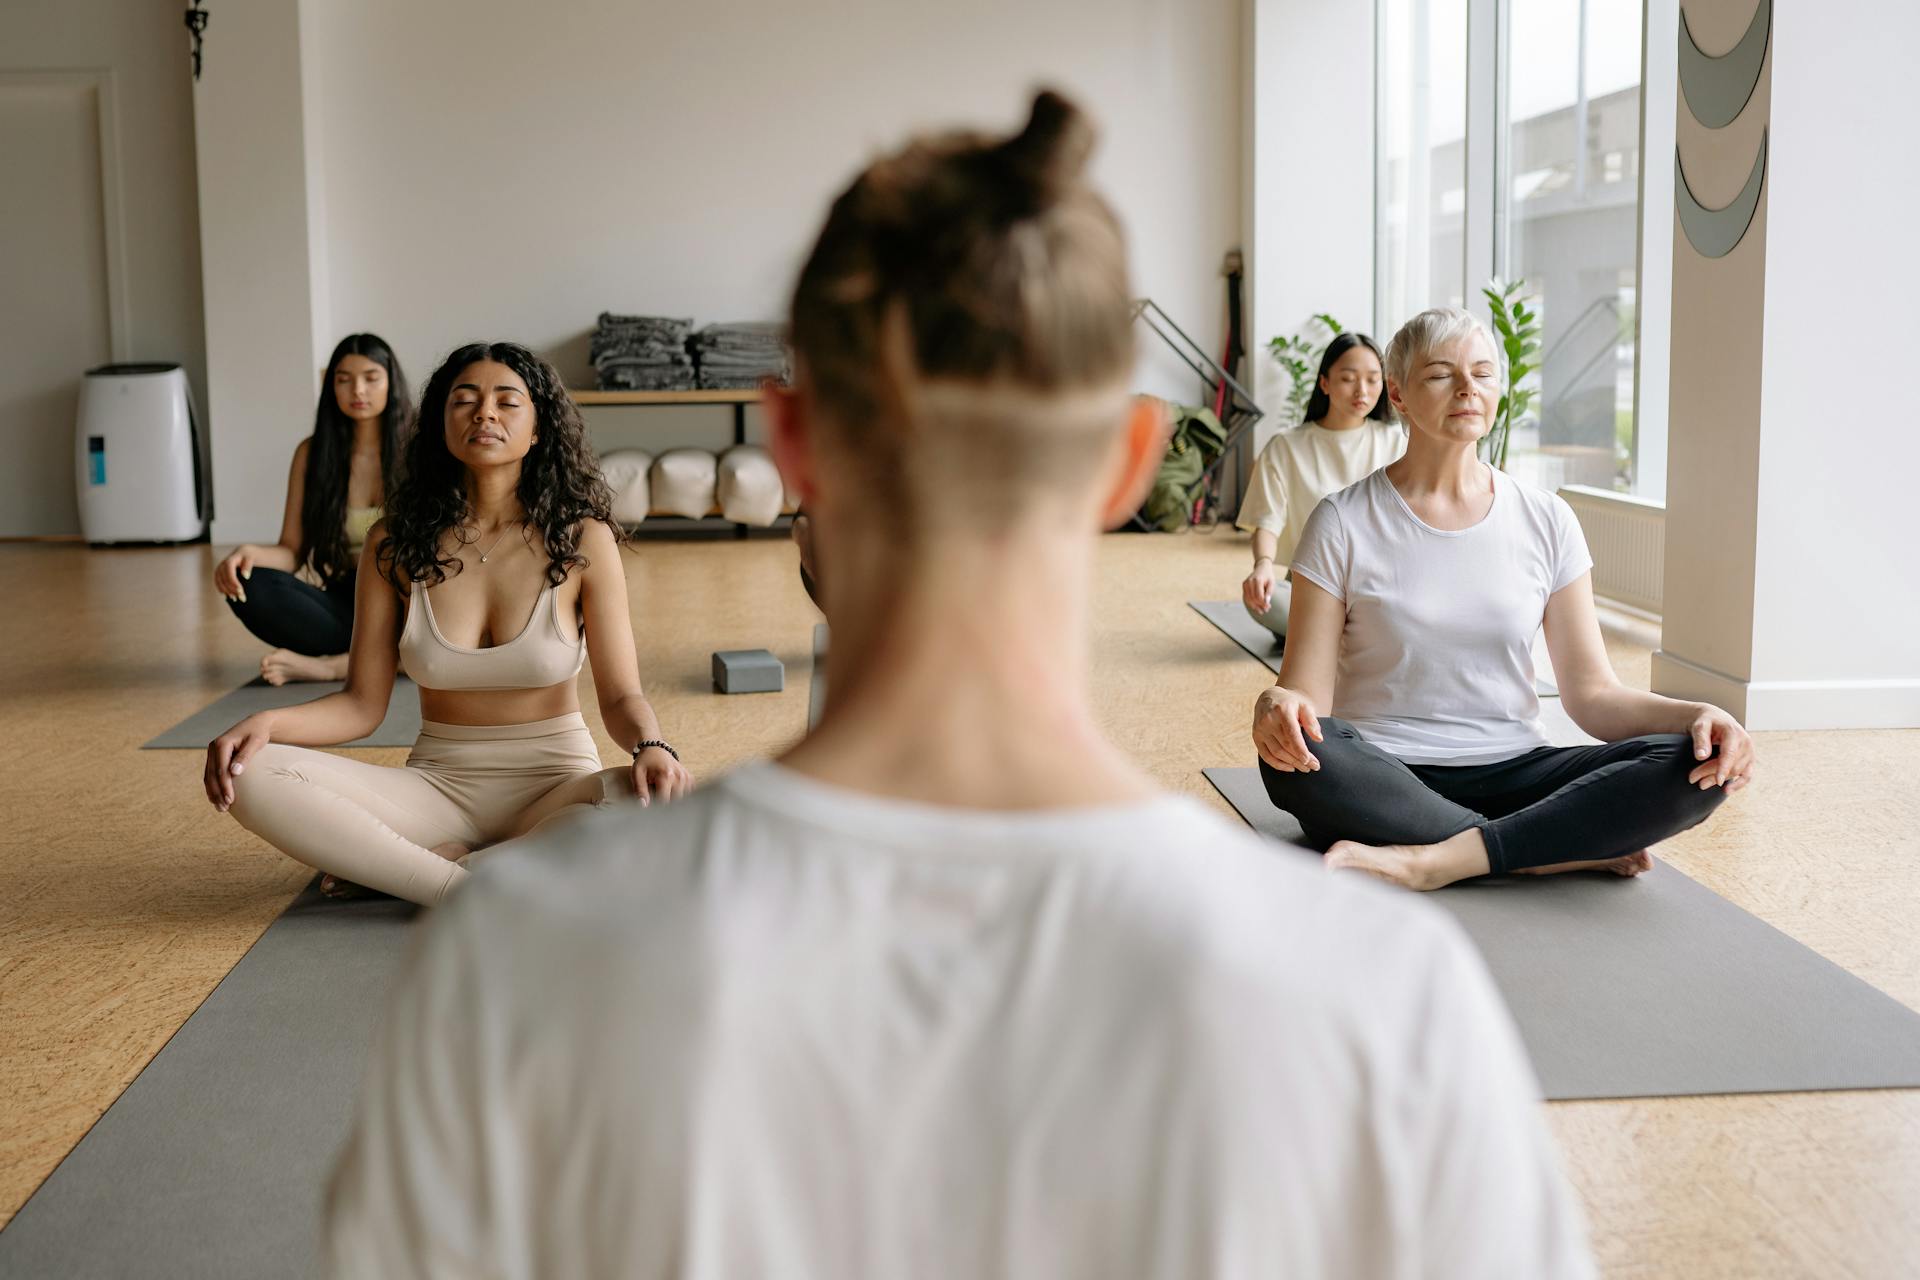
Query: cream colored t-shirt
[
  {"x": 785, "y": 1029},
  {"x": 1304, "y": 464}
]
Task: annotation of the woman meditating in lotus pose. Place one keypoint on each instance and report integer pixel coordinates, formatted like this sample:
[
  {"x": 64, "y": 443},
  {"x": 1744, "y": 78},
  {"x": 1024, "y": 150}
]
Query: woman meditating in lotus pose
[
  {"x": 1404, "y": 733},
  {"x": 335, "y": 491},
  {"x": 501, "y": 504}
]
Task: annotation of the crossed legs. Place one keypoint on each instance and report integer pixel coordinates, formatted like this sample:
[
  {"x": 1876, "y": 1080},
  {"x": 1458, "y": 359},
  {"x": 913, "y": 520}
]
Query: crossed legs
[{"x": 1548, "y": 810}]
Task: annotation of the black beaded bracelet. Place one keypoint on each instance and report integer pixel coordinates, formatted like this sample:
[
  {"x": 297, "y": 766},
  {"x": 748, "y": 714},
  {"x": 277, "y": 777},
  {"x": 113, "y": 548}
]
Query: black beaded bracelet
[{"x": 654, "y": 742}]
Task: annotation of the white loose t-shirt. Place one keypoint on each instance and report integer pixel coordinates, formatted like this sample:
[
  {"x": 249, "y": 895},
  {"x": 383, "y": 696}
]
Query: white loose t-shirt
[
  {"x": 785, "y": 1029},
  {"x": 1304, "y": 464},
  {"x": 1436, "y": 661}
]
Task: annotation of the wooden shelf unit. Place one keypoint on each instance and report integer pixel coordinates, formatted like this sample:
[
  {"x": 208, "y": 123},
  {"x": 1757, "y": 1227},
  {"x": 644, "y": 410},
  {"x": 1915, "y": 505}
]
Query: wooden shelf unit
[{"x": 738, "y": 399}]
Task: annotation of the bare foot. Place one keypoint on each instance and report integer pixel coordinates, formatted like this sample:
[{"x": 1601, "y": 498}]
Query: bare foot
[
  {"x": 1639, "y": 862},
  {"x": 1406, "y": 865},
  {"x": 1414, "y": 866},
  {"x": 284, "y": 666}
]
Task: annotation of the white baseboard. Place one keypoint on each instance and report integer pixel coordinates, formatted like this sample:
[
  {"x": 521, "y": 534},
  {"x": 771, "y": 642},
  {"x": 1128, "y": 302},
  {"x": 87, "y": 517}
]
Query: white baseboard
[{"x": 1792, "y": 704}]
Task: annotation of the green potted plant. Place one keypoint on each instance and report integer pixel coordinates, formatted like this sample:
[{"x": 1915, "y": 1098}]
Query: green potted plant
[
  {"x": 1300, "y": 355},
  {"x": 1517, "y": 326}
]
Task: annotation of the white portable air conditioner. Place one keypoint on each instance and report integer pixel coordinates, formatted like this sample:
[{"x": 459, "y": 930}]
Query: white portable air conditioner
[{"x": 141, "y": 457}]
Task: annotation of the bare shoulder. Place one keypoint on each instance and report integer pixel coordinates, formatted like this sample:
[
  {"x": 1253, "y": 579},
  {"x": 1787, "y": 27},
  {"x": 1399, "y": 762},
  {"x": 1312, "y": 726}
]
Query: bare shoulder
[
  {"x": 370, "y": 555},
  {"x": 596, "y": 537},
  {"x": 600, "y": 546}
]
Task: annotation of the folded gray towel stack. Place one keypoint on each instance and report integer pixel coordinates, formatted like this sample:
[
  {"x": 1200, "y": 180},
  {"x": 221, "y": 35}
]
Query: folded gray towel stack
[
  {"x": 740, "y": 356},
  {"x": 642, "y": 353}
]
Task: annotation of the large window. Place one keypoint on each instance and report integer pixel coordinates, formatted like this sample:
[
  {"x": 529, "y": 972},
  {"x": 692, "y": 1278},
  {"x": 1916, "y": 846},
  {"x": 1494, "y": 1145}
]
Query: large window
[
  {"x": 1561, "y": 210},
  {"x": 1571, "y": 177}
]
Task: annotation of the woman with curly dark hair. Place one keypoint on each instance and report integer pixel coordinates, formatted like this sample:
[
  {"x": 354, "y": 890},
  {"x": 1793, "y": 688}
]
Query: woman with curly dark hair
[
  {"x": 501, "y": 501},
  {"x": 336, "y": 489}
]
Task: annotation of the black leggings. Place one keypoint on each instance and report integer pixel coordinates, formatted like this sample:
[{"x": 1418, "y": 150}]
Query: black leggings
[
  {"x": 1553, "y": 804},
  {"x": 290, "y": 614}
]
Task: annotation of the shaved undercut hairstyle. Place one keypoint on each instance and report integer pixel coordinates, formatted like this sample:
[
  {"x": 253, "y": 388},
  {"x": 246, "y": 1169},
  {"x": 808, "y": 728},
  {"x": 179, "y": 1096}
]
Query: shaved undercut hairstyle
[{"x": 964, "y": 322}]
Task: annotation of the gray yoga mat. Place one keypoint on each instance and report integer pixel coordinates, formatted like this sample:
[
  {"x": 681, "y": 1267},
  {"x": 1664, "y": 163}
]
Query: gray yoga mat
[
  {"x": 1656, "y": 986},
  {"x": 213, "y": 1161},
  {"x": 399, "y": 729},
  {"x": 1232, "y": 617}
]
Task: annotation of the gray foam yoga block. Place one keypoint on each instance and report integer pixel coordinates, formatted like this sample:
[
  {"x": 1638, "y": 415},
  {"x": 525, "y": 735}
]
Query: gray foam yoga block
[{"x": 748, "y": 671}]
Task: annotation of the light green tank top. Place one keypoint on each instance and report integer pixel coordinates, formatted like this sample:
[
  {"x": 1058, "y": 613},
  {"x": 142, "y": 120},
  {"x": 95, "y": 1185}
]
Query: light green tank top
[{"x": 359, "y": 521}]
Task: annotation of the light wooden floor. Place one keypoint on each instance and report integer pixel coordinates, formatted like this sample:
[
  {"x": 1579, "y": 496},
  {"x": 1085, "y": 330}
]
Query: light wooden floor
[{"x": 124, "y": 898}]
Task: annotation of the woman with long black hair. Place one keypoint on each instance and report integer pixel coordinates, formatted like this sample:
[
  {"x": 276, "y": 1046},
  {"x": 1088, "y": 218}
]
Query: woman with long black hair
[
  {"x": 1348, "y": 433},
  {"x": 336, "y": 489},
  {"x": 492, "y": 580}
]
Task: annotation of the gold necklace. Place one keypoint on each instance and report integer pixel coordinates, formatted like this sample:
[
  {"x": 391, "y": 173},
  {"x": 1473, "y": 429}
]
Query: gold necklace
[{"x": 496, "y": 542}]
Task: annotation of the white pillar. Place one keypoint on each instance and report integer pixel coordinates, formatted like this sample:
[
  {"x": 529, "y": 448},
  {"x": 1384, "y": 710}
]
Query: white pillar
[
  {"x": 1792, "y": 594},
  {"x": 257, "y": 267},
  {"x": 1309, "y": 147}
]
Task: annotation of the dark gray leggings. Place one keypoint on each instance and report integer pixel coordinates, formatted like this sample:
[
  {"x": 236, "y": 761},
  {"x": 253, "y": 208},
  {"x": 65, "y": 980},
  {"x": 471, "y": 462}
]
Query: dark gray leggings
[
  {"x": 1552, "y": 804},
  {"x": 288, "y": 613}
]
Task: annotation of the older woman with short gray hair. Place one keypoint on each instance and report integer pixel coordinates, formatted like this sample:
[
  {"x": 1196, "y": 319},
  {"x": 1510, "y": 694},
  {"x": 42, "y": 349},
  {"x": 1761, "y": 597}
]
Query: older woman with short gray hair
[{"x": 1404, "y": 732}]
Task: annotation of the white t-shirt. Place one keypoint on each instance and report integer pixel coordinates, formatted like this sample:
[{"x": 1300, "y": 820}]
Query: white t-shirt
[
  {"x": 785, "y": 1029},
  {"x": 1436, "y": 662},
  {"x": 1304, "y": 464}
]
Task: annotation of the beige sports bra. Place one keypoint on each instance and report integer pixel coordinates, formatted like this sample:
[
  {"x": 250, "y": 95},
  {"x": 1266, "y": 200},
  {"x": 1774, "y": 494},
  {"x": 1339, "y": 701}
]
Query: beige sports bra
[{"x": 540, "y": 656}]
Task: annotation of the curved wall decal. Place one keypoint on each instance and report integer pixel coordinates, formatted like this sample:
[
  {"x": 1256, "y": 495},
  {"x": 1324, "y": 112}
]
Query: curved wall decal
[
  {"x": 1717, "y": 89},
  {"x": 1714, "y": 232}
]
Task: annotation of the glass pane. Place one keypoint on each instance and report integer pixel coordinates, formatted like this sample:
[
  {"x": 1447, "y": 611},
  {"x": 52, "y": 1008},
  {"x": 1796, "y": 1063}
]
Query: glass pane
[
  {"x": 1573, "y": 170},
  {"x": 1422, "y": 188}
]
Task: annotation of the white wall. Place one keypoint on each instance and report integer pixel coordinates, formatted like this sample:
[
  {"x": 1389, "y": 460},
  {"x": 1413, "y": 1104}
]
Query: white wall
[
  {"x": 1837, "y": 592},
  {"x": 257, "y": 273},
  {"x": 143, "y": 48},
  {"x": 1309, "y": 212},
  {"x": 485, "y": 170}
]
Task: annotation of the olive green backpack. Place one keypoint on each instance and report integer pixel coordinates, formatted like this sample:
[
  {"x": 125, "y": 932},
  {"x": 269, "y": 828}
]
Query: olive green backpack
[{"x": 1198, "y": 439}]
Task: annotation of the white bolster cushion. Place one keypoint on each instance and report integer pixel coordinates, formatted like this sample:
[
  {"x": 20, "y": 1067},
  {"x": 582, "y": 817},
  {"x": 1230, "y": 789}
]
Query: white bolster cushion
[
  {"x": 627, "y": 471},
  {"x": 683, "y": 481},
  {"x": 749, "y": 488}
]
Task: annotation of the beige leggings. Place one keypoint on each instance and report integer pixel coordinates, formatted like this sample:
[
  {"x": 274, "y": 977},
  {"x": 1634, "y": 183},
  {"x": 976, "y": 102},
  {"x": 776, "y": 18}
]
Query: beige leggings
[{"x": 469, "y": 784}]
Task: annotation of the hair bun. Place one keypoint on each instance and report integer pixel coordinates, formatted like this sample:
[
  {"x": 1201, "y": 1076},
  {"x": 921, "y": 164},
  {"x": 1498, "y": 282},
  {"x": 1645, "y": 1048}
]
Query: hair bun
[{"x": 1049, "y": 155}]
